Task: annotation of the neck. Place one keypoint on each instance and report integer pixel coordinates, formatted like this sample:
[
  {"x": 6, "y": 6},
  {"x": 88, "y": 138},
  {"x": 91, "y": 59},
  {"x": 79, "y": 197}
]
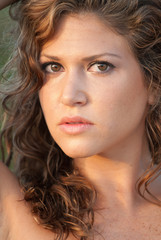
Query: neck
[{"x": 114, "y": 175}]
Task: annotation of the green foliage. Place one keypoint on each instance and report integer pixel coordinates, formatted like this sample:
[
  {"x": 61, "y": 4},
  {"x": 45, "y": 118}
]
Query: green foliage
[
  {"x": 4, "y": 26},
  {"x": 6, "y": 43}
]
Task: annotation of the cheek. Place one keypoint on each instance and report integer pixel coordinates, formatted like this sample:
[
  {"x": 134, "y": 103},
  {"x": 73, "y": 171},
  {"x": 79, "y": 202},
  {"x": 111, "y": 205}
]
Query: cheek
[
  {"x": 47, "y": 102},
  {"x": 123, "y": 103}
]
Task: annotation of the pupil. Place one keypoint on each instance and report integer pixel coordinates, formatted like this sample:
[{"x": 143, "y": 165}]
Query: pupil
[{"x": 102, "y": 67}]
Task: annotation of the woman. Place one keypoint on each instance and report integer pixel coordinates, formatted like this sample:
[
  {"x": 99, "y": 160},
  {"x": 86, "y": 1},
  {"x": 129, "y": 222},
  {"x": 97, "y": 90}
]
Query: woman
[{"x": 82, "y": 121}]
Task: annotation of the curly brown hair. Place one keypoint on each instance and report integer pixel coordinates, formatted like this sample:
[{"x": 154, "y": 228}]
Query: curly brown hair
[{"x": 60, "y": 197}]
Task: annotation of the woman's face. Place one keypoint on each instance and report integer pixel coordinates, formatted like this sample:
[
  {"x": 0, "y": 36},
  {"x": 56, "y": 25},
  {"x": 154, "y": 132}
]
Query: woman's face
[{"x": 94, "y": 99}]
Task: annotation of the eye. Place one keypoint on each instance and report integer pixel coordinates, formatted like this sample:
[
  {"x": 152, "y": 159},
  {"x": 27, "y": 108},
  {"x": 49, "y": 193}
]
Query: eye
[
  {"x": 101, "y": 67},
  {"x": 51, "y": 67}
]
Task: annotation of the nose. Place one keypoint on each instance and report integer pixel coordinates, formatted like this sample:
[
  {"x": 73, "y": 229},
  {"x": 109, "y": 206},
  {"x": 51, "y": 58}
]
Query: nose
[{"x": 74, "y": 90}]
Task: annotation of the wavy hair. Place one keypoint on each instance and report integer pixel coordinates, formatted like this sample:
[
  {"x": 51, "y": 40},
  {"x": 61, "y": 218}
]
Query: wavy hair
[{"x": 60, "y": 197}]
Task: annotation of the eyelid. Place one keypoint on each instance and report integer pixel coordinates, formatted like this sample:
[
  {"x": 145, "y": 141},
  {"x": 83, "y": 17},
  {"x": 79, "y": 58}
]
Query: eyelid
[
  {"x": 101, "y": 62},
  {"x": 46, "y": 64}
]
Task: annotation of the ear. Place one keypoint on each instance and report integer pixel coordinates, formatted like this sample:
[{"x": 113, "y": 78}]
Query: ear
[
  {"x": 153, "y": 96},
  {"x": 151, "y": 99}
]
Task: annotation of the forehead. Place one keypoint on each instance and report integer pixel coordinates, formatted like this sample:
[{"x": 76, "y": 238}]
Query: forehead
[{"x": 86, "y": 33}]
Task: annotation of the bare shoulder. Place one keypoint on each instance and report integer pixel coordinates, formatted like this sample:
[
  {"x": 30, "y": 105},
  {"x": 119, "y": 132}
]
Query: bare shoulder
[
  {"x": 9, "y": 186},
  {"x": 8, "y": 183},
  {"x": 16, "y": 212},
  {"x": 5, "y": 3}
]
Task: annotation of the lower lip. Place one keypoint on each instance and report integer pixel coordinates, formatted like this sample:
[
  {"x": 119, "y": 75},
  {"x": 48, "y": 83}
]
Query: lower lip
[{"x": 75, "y": 128}]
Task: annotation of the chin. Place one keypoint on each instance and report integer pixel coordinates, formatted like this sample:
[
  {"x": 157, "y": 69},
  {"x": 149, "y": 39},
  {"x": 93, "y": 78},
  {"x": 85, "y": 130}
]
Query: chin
[
  {"x": 78, "y": 152},
  {"x": 78, "y": 147}
]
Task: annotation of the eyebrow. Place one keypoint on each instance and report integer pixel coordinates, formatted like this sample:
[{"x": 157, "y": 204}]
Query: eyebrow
[{"x": 90, "y": 58}]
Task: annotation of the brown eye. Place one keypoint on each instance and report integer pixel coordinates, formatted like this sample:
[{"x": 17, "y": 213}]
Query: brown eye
[
  {"x": 55, "y": 67},
  {"x": 101, "y": 67},
  {"x": 52, "y": 67}
]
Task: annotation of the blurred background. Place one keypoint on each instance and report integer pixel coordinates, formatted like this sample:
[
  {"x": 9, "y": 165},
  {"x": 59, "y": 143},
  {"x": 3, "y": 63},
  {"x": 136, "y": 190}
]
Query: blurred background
[
  {"x": 6, "y": 32},
  {"x": 6, "y": 42}
]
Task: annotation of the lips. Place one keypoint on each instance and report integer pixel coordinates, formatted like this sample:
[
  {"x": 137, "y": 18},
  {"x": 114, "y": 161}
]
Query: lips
[
  {"x": 74, "y": 125},
  {"x": 74, "y": 120}
]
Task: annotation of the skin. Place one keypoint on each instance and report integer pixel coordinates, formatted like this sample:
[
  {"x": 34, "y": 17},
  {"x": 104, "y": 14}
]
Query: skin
[
  {"x": 112, "y": 152},
  {"x": 115, "y": 101},
  {"x": 77, "y": 90},
  {"x": 5, "y": 3}
]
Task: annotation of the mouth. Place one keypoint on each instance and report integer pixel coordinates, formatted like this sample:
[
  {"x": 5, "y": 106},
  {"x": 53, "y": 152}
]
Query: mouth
[
  {"x": 75, "y": 125},
  {"x": 74, "y": 120}
]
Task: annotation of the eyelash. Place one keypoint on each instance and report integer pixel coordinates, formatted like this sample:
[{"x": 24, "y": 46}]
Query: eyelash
[
  {"x": 46, "y": 64},
  {"x": 109, "y": 66}
]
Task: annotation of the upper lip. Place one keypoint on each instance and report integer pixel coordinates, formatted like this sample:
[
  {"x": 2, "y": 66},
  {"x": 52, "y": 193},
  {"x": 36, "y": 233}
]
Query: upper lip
[{"x": 76, "y": 119}]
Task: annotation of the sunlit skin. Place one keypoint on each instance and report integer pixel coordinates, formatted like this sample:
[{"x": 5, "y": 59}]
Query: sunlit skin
[
  {"x": 114, "y": 100},
  {"x": 91, "y": 72}
]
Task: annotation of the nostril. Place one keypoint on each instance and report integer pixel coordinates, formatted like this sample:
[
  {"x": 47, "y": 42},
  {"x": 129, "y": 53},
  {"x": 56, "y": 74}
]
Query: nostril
[{"x": 75, "y": 97}]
